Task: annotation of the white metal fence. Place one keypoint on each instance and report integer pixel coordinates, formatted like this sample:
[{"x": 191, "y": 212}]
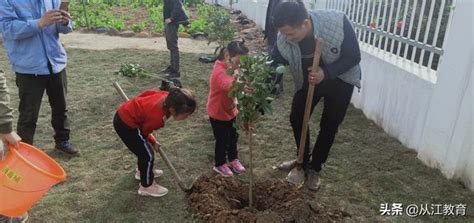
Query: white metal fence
[{"x": 411, "y": 29}]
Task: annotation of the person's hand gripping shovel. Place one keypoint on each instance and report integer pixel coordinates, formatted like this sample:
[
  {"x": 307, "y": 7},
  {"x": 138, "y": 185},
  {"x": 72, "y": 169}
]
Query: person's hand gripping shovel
[{"x": 296, "y": 175}]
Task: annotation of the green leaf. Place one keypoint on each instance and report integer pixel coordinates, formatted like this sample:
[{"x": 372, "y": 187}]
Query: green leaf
[
  {"x": 281, "y": 69},
  {"x": 253, "y": 72}
]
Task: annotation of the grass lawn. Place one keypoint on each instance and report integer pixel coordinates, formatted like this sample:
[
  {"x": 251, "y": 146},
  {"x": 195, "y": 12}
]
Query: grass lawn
[{"x": 365, "y": 168}]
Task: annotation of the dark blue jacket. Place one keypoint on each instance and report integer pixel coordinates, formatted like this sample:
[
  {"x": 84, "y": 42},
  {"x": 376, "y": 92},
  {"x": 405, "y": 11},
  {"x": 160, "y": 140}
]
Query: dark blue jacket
[{"x": 173, "y": 9}]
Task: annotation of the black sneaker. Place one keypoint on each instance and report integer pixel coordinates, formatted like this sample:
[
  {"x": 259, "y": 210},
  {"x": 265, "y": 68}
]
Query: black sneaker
[
  {"x": 166, "y": 70},
  {"x": 66, "y": 148}
]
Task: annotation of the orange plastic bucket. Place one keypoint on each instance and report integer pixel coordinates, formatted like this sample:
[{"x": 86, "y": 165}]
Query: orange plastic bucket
[{"x": 26, "y": 174}]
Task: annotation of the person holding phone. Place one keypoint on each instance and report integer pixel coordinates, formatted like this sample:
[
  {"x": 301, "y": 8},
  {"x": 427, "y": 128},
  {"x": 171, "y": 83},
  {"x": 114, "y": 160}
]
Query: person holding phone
[{"x": 30, "y": 30}]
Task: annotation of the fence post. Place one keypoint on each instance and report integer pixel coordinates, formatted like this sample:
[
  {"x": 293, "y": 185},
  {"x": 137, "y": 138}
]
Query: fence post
[{"x": 320, "y": 4}]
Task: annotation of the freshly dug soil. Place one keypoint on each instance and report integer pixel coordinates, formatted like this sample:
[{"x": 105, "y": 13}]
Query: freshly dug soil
[{"x": 219, "y": 199}]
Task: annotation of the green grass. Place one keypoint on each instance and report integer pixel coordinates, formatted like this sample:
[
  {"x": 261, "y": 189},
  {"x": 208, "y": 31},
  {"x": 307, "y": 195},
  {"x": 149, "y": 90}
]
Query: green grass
[{"x": 365, "y": 168}]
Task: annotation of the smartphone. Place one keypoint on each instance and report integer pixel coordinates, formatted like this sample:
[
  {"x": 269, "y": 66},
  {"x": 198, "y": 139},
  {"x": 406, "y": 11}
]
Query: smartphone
[{"x": 64, "y": 5}]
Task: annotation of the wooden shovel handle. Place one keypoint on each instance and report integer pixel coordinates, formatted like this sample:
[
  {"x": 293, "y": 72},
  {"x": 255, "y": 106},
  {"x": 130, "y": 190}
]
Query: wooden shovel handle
[{"x": 309, "y": 100}]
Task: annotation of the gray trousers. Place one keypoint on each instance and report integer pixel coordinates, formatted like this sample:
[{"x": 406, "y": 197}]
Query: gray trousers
[
  {"x": 31, "y": 89},
  {"x": 171, "y": 35}
]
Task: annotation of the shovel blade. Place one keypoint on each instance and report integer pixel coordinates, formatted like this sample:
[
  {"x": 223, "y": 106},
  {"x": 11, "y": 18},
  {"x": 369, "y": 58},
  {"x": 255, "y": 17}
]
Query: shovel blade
[{"x": 296, "y": 176}]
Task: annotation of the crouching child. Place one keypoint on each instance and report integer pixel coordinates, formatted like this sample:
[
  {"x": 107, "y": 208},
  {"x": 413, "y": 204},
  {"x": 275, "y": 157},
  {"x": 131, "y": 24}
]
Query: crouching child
[{"x": 137, "y": 118}]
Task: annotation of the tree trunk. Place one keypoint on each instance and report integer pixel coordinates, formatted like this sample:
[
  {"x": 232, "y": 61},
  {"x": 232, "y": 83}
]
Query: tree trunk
[{"x": 251, "y": 169}]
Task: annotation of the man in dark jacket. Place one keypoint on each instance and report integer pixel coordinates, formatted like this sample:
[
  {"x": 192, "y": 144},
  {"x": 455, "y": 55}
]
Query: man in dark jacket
[
  {"x": 271, "y": 33},
  {"x": 334, "y": 80},
  {"x": 174, "y": 15}
]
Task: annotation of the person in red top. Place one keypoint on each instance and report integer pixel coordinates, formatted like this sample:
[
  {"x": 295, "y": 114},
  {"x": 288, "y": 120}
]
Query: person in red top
[
  {"x": 137, "y": 118},
  {"x": 222, "y": 110}
]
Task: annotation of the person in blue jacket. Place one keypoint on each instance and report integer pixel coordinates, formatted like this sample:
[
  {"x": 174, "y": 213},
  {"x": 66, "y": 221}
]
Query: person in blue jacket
[{"x": 30, "y": 30}]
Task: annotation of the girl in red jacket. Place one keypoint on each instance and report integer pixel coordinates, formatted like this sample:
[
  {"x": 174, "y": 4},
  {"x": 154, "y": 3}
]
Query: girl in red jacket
[
  {"x": 222, "y": 111},
  {"x": 137, "y": 118}
]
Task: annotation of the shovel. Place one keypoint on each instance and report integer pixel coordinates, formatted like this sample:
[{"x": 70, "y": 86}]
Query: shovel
[
  {"x": 296, "y": 175},
  {"x": 160, "y": 151}
]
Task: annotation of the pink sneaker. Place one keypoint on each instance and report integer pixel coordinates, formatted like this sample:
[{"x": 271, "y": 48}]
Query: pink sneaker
[
  {"x": 236, "y": 166},
  {"x": 155, "y": 190},
  {"x": 223, "y": 170}
]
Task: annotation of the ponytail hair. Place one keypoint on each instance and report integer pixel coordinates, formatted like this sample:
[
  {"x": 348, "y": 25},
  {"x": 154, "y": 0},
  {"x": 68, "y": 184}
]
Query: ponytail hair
[
  {"x": 181, "y": 100},
  {"x": 234, "y": 48}
]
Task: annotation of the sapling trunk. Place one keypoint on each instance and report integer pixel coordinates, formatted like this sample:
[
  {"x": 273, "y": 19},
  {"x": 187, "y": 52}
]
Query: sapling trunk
[
  {"x": 250, "y": 133},
  {"x": 252, "y": 91}
]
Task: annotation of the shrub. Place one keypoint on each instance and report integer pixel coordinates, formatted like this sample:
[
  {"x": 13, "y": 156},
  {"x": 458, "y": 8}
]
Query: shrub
[
  {"x": 138, "y": 27},
  {"x": 220, "y": 28},
  {"x": 198, "y": 25},
  {"x": 118, "y": 24},
  {"x": 131, "y": 70}
]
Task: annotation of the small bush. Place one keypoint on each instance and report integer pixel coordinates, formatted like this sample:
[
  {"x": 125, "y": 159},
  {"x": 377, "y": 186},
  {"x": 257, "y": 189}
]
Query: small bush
[
  {"x": 159, "y": 28},
  {"x": 118, "y": 24},
  {"x": 138, "y": 27},
  {"x": 198, "y": 25},
  {"x": 131, "y": 70},
  {"x": 220, "y": 28}
]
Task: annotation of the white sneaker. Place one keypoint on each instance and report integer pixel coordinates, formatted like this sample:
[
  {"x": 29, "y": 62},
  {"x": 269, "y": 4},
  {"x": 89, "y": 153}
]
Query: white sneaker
[
  {"x": 155, "y": 190},
  {"x": 157, "y": 173}
]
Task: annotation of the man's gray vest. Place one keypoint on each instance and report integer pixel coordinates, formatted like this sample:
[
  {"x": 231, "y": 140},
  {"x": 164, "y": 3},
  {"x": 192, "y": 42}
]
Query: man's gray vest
[{"x": 328, "y": 25}]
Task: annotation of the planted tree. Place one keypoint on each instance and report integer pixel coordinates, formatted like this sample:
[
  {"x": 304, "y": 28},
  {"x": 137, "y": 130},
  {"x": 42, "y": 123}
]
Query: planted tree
[
  {"x": 254, "y": 73},
  {"x": 220, "y": 28}
]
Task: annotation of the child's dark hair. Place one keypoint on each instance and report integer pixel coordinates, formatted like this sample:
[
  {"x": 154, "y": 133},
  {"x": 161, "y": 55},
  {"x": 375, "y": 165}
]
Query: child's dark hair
[
  {"x": 181, "y": 100},
  {"x": 289, "y": 13},
  {"x": 234, "y": 48}
]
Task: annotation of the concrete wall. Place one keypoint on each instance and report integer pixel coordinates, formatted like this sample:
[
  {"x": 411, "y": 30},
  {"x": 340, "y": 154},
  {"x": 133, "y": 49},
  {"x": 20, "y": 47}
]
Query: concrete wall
[
  {"x": 448, "y": 133},
  {"x": 396, "y": 97}
]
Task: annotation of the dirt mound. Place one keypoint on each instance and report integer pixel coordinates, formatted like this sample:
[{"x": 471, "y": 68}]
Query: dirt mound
[{"x": 219, "y": 199}]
